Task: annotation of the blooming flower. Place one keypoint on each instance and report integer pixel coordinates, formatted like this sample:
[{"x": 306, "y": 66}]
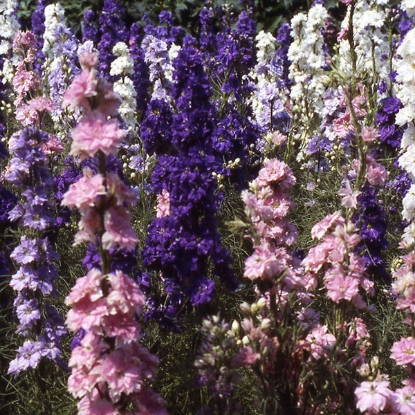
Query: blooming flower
[{"x": 373, "y": 396}]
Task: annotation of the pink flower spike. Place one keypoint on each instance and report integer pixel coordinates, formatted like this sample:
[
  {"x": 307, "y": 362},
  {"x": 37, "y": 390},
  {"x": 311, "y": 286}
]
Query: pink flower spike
[
  {"x": 349, "y": 196},
  {"x": 83, "y": 88},
  {"x": 95, "y": 133}
]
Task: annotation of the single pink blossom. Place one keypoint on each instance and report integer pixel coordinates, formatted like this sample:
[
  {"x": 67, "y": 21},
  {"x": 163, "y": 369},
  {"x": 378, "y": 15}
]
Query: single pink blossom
[
  {"x": 52, "y": 146},
  {"x": 125, "y": 295},
  {"x": 88, "y": 60},
  {"x": 403, "y": 351},
  {"x": 320, "y": 341},
  {"x": 163, "y": 204},
  {"x": 118, "y": 229},
  {"x": 349, "y": 196},
  {"x": 246, "y": 357},
  {"x": 26, "y": 115},
  {"x": 95, "y": 404},
  {"x": 95, "y": 133},
  {"x": 329, "y": 222},
  {"x": 342, "y": 287},
  {"x": 376, "y": 174},
  {"x": 118, "y": 190},
  {"x": 85, "y": 192},
  {"x": 80, "y": 92},
  {"x": 404, "y": 400},
  {"x": 23, "y": 82},
  {"x": 373, "y": 396},
  {"x": 369, "y": 134},
  {"x": 120, "y": 375}
]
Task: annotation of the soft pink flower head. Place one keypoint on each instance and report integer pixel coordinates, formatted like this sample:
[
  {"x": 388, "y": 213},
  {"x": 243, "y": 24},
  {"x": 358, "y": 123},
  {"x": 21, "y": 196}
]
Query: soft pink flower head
[
  {"x": 163, "y": 204},
  {"x": 88, "y": 60},
  {"x": 125, "y": 296},
  {"x": 349, "y": 195},
  {"x": 276, "y": 172},
  {"x": 328, "y": 223},
  {"x": 118, "y": 229},
  {"x": 95, "y": 133},
  {"x": 84, "y": 193},
  {"x": 119, "y": 191},
  {"x": 373, "y": 396},
  {"x": 80, "y": 92},
  {"x": 320, "y": 341},
  {"x": 120, "y": 375},
  {"x": 86, "y": 287},
  {"x": 376, "y": 174},
  {"x": 341, "y": 287},
  {"x": 24, "y": 44},
  {"x": 95, "y": 404},
  {"x": 369, "y": 134},
  {"x": 52, "y": 146},
  {"x": 403, "y": 351}
]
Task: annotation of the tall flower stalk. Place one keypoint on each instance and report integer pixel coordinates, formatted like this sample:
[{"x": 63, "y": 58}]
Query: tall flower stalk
[{"x": 109, "y": 366}]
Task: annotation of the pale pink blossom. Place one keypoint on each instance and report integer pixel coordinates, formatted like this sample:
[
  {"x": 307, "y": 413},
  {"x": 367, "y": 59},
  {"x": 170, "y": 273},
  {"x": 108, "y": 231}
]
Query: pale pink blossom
[
  {"x": 118, "y": 190},
  {"x": 349, "y": 196},
  {"x": 53, "y": 145},
  {"x": 404, "y": 400},
  {"x": 326, "y": 224},
  {"x": 125, "y": 296},
  {"x": 373, "y": 396},
  {"x": 86, "y": 287},
  {"x": 320, "y": 341},
  {"x": 403, "y": 351},
  {"x": 342, "y": 287},
  {"x": 85, "y": 192},
  {"x": 89, "y": 224},
  {"x": 376, "y": 174},
  {"x": 81, "y": 382},
  {"x": 95, "y": 404},
  {"x": 88, "y": 60},
  {"x": 95, "y": 133},
  {"x": 26, "y": 115},
  {"x": 369, "y": 134},
  {"x": 118, "y": 229},
  {"x": 276, "y": 172},
  {"x": 80, "y": 92},
  {"x": 23, "y": 82},
  {"x": 163, "y": 204},
  {"x": 117, "y": 371},
  {"x": 88, "y": 353},
  {"x": 246, "y": 357}
]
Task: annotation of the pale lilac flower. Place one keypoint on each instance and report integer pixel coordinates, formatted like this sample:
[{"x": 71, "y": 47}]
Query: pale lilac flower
[
  {"x": 349, "y": 196},
  {"x": 403, "y": 351},
  {"x": 373, "y": 396}
]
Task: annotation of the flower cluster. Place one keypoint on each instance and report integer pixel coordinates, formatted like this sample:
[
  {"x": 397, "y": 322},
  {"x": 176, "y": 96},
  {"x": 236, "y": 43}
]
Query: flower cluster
[
  {"x": 181, "y": 244},
  {"x": 109, "y": 366}
]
